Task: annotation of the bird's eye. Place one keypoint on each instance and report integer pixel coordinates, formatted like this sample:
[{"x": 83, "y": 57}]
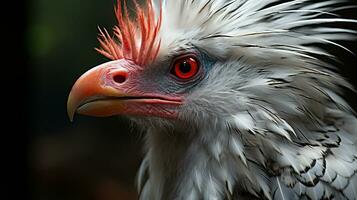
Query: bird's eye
[{"x": 186, "y": 67}]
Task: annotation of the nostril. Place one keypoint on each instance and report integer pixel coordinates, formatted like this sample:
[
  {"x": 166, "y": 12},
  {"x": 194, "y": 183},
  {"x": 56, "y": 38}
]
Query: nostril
[{"x": 119, "y": 78}]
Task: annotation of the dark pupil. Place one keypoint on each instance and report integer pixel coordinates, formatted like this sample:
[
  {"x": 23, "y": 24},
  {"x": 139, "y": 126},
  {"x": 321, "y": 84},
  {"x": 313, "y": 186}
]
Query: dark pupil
[{"x": 185, "y": 67}]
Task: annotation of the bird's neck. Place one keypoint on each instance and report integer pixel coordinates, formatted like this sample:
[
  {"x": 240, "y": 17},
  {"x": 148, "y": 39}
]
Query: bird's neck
[
  {"x": 181, "y": 166},
  {"x": 169, "y": 158}
]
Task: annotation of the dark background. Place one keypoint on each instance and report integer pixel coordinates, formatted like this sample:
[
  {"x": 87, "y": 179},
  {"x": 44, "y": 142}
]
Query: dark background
[{"x": 91, "y": 158}]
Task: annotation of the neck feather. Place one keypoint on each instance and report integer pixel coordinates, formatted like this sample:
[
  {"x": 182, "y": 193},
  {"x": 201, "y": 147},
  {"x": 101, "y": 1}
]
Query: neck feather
[{"x": 191, "y": 165}]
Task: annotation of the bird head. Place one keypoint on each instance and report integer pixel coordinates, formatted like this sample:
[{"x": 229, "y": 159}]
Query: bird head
[{"x": 147, "y": 79}]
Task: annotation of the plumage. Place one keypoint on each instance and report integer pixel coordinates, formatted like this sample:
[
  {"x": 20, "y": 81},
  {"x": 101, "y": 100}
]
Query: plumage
[{"x": 263, "y": 118}]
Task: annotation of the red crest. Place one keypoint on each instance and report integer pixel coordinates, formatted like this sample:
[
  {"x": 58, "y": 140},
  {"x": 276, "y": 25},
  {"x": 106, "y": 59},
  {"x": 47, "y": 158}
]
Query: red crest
[{"x": 137, "y": 39}]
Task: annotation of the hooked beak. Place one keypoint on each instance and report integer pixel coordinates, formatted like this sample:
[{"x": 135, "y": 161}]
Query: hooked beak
[{"x": 108, "y": 90}]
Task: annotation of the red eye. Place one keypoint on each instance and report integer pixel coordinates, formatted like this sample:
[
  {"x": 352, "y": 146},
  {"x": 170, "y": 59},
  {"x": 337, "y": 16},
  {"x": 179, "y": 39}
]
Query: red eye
[{"x": 186, "y": 67}]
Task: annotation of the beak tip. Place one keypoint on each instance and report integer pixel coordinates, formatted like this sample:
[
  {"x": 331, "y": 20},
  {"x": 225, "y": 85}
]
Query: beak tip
[
  {"x": 71, "y": 109},
  {"x": 70, "y": 115},
  {"x": 71, "y": 118}
]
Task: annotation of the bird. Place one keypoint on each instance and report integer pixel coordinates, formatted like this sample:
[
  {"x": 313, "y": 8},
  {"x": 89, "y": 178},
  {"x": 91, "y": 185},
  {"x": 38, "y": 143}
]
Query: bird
[{"x": 237, "y": 99}]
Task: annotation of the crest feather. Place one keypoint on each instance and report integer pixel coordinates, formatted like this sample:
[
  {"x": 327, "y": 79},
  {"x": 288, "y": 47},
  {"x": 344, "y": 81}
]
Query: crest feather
[{"x": 134, "y": 39}]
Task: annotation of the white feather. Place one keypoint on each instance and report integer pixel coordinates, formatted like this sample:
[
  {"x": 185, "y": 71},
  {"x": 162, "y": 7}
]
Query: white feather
[{"x": 268, "y": 100}]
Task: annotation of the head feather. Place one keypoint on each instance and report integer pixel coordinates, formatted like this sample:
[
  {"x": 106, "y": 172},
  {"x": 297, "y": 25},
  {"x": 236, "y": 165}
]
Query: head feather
[{"x": 136, "y": 40}]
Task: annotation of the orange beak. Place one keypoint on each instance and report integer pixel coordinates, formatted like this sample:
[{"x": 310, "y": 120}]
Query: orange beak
[
  {"x": 108, "y": 90},
  {"x": 86, "y": 93}
]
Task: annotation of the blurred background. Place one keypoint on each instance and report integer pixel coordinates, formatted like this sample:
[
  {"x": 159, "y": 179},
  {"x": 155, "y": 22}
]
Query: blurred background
[{"x": 91, "y": 158}]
